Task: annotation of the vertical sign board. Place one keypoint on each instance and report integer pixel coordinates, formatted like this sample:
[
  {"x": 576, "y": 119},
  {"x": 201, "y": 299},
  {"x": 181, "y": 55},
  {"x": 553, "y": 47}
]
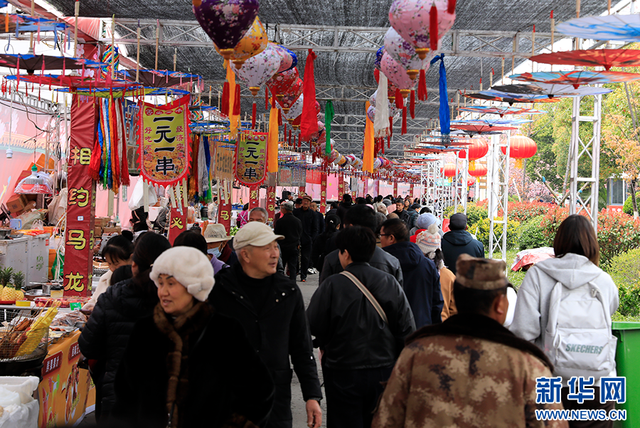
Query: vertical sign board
[
  {"x": 271, "y": 196},
  {"x": 253, "y": 196},
  {"x": 224, "y": 174},
  {"x": 340, "y": 186},
  {"x": 395, "y": 189},
  {"x": 323, "y": 192},
  {"x": 177, "y": 224},
  {"x": 81, "y": 203},
  {"x": 251, "y": 162},
  {"x": 411, "y": 190}
]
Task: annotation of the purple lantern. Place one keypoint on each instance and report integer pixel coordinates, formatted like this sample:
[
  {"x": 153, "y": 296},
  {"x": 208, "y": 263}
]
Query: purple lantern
[{"x": 225, "y": 21}]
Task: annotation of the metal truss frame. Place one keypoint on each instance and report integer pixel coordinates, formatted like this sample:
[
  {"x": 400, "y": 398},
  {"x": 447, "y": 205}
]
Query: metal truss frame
[
  {"x": 585, "y": 153},
  {"x": 460, "y": 185},
  {"x": 486, "y": 44},
  {"x": 498, "y": 183}
]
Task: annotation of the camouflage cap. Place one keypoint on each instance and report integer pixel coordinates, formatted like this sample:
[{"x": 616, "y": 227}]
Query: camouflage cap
[{"x": 481, "y": 274}]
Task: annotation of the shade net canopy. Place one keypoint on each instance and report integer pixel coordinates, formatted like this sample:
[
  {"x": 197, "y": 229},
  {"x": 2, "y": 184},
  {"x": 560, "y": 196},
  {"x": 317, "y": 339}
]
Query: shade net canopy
[{"x": 346, "y": 77}]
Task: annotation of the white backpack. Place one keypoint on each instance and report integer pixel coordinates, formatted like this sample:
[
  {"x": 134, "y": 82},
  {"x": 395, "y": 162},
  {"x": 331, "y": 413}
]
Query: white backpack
[{"x": 578, "y": 338}]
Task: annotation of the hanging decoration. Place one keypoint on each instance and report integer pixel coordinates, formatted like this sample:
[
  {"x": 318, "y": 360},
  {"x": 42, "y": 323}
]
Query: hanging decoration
[
  {"x": 520, "y": 148},
  {"x": 576, "y": 77},
  {"x": 422, "y": 23},
  {"x": 164, "y": 142},
  {"x": 309, "y": 120},
  {"x": 369, "y": 143},
  {"x": 477, "y": 170},
  {"x": 272, "y": 139},
  {"x": 445, "y": 128},
  {"x": 328, "y": 117},
  {"x": 381, "y": 115},
  {"x": 288, "y": 59},
  {"x": 253, "y": 42},
  {"x": 225, "y": 21},
  {"x": 251, "y": 158}
]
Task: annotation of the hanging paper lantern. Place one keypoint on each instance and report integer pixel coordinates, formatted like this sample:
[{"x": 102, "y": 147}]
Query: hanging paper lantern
[
  {"x": 477, "y": 170},
  {"x": 397, "y": 75},
  {"x": 225, "y": 21},
  {"x": 404, "y": 54},
  {"x": 449, "y": 170},
  {"x": 413, "y": 20},
  {"x": 478, "y": 149},
  {"x": 252, "y": 43},
  {"x": 290, "y": 96},
  {"x": 379, "y": 53},
  {"x": 281, "y": 82},
  {"x": 520, "y": 148},
  {"x": 111, "y": 57},
  {"x": 288, "y": 59},
  {"x": 295, "y": 110},
  {"x": 371, "y": 113},
  {"x": 257, "y": 70},
  {"x": 471, "y": 182}
]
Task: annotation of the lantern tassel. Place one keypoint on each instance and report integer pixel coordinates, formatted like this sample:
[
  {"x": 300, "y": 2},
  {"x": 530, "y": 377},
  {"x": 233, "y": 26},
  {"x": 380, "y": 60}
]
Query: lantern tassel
[
  {"x": 266, "y": 98},
  {"x": 422, "y": 86},
  {"x": 279, "y": 117},
  {"x": 404, "y": 120},
  {"x": 254, "y": 110},
  {"x": 412, "y": 104},
  {"x": 433, "y": 27},
  {"x": 399, "y": 100},
  {"x": 224, "y": 109},
  {"x": 236, "y": 101},
  {"x": 451, "y": 7},
  {"x": 309, "y": 119}
]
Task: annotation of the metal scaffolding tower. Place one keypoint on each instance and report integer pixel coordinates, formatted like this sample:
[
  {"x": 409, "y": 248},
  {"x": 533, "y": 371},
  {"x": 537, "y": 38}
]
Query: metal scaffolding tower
[
  {"x": 498, "y": 183},
  {"x": 584, "y": 157}
]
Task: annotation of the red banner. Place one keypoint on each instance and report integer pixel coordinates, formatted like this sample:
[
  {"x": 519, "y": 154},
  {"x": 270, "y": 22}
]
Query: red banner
[
  {"x": 323, "y": 193},
  {"x": 271, "y": 202},
  {"x": 340, "y": 186},
  {"x": 411, "y": 190},
  {"x": 314, "y": 177},
  {"x": 81, "y": 202},
  {"x": 224, "y": 211},
  {"x": 177, "y": 223},
  {"x": 164, "y": 137},
  {"x": 395, "y": 189},
  {"x": 254, "y": 194},
  {"x": 251, "y": 158}
]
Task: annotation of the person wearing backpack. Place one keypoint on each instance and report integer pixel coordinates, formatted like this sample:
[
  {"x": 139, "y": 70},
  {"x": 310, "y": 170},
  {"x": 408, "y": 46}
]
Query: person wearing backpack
[{"x": 564, "y": 306}]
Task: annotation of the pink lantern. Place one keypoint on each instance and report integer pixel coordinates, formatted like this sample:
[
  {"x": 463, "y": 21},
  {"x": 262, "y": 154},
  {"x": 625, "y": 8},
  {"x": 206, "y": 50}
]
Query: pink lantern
[
  {"x": 225, "y": 21},
  {"x": 397, "y": 75},
  {"x": 290, "y": 96},
  {"x": 252, "y": 43},
  {"x": 257, "y": 70},
  {"x": 404, "y": 53},
  {"x": 289, "y": 59},
  {"x": 412, "y": 20}
]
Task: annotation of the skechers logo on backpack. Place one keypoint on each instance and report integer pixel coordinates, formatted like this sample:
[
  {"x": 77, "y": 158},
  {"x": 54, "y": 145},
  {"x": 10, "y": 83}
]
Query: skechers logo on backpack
[{"x": 584, "y": 349}]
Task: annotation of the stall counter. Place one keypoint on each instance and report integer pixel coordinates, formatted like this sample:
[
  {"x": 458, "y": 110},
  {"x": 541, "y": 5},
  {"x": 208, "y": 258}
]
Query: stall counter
[{"x": 66, "y": 392}]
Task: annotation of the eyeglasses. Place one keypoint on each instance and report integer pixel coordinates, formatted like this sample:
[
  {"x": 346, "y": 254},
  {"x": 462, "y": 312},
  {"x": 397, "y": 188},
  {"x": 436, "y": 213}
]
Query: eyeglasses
[{"x": 385, "y": 234}]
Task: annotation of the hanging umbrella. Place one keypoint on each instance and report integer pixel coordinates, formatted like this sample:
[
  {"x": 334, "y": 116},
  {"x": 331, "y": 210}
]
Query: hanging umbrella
[
  {"x": 493, "y": 122},
  {"x": 500, "y": 110},
  {"x": 497, "y": 96},
  {"x": 519, "y": 88},
  {"x": 45, "y": 62},
  {"x": 475, "y": 129},
  {"x": 158, "y": 78},
  {"x": 610, "y": 27},
  {"x": 73, "y": 81},
  {"x": 119, "y": 93},
  {"x": 26, "y": 24},
  {"x": 576, "y": 77},
  {"x": 606, "y": 58},
  {"x": 549, "y": 91}
]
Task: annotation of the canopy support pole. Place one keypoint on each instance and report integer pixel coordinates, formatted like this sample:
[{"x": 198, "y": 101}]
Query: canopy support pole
[{"x": 498, "y": 187}]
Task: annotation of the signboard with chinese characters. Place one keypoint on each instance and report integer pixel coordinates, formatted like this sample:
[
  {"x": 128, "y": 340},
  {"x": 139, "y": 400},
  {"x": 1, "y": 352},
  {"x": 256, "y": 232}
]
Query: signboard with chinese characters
[
  {"x": 81, "y": 203},
  {"x": 251, "y": 158},
  {"x": 164, "y": 136},
  {"x": 224, "y": 161},
  {"x": 298, "y": 177},
  {"x": 323, "y": 193},
  {"x": 285, "y": 176},
  {"x": 177, "y": 224}
]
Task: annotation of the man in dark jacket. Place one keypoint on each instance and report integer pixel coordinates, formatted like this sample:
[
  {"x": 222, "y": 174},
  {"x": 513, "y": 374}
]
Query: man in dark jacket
[
  {"x": 362, "y": 215},
  {"x": 458, "y": 241},
  {"x": 412, "y": 212},
  {"x": 360, "y": 342},
  {"x": 290, "y": 227},
  {"x": 270, "y": 308},
  {"x": 401, "y": 212},
  {"x": 344, "y": 206},
  {"x": 319, "y": 217},
  {"x": 309, "y": 233},
  {"x": 421, "y": 278}
]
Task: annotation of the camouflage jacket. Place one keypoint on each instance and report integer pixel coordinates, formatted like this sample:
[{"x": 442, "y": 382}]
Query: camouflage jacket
[{"x": 463, "y": 381}]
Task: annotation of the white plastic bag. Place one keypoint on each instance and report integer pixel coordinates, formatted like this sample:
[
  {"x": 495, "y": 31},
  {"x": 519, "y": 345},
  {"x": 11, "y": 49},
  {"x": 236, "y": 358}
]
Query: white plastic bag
[
  {"x": 22, "y": 409},
  {"x": 136, "y": 197}
]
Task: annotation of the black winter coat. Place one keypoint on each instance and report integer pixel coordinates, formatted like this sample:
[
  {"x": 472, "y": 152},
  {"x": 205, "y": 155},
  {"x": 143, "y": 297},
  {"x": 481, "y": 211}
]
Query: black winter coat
[
  {"x": 106, "y": 335},
  {"x": 309, "y": 225},
  {"x": 279, "y": 332},
  {"x": 381, "y": 260},
  {"x": 343, "y": 207},
  {"x": 421, "y": 282},
  {"x": 290, "y": 227},
  {"x": 404, "y": 216},
  {"x": 322, "y": 245},
  {"x": 225, "y": 376},
  {"x": 456, "y": 242},
  {"x": 348, "y": 328}
]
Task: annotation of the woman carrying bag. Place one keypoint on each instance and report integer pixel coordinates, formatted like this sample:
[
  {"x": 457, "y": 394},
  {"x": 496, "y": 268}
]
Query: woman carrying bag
[{"x": 186, "y": 365}]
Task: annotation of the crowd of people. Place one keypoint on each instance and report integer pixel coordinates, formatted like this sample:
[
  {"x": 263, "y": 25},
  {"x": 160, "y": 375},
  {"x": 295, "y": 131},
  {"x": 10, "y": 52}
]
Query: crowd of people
[{"x": 209, "y": 331}]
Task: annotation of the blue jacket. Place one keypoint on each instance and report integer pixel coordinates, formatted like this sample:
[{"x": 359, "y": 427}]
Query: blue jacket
[{"x": 421, "y": 282}]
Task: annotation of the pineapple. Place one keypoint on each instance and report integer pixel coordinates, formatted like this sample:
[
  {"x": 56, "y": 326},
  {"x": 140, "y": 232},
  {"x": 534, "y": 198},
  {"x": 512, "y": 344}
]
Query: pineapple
[
  {"x": 5, "y": 277},
  {"x": 18, "y": 282},
  {"x": 8, "y": 293}
]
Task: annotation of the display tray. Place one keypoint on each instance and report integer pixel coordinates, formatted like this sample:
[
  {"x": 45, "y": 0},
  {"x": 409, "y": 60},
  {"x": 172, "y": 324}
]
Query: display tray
[{"x": 7, "y": 302}]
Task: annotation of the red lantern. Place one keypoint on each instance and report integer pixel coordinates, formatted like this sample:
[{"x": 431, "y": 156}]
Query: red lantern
[
  {"x": 450, "y": 170},
  {"x": 462, "y": 154},
  {"x": 471, "y": 182},
  {"x": 478, "y": 149},
  {"x": 477, "y": 170},
  {"x": 520, "y": 147}
]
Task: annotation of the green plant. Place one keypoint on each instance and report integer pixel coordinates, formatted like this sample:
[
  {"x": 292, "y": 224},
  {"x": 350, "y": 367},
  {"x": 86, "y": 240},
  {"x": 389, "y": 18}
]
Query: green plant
[
  {"x": 5, "y": 275},
  {"x": 483, "y": 227},
  {"x": 624, "y": 269},
  {"x": 531, "y": 234},
  {"x": 18, "y": 280},
  {"x": 627, "y": 208},
  {"x": 475, "y": 212}
]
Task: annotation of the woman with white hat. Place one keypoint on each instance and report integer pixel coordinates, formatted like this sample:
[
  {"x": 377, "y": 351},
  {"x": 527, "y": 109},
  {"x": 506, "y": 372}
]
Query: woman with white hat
[{"x": 187, "y": 365}]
